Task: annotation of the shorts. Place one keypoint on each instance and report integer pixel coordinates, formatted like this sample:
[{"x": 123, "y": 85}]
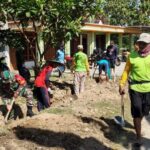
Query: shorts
[
  {"x": 112, "y": 63},
  {"x": 140, "y": 103}
]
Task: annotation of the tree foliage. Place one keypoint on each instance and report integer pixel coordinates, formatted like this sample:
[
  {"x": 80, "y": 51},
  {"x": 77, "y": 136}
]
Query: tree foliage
[
  {"x": 55, "y": 20},
  {"x": 127, "y": 12}
]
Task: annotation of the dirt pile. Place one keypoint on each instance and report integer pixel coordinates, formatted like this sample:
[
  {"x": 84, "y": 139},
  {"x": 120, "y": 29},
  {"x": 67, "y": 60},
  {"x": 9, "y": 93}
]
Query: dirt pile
[{"x": 82, "y": 124}]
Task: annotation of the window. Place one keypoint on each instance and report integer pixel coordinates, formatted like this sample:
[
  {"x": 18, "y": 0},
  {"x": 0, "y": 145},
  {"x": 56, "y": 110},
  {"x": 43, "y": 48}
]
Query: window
[{"x": 28, "y": 53}]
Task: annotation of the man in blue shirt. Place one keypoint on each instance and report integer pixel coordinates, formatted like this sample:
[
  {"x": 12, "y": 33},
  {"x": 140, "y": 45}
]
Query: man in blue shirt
[{"x": 60, "y": 57}]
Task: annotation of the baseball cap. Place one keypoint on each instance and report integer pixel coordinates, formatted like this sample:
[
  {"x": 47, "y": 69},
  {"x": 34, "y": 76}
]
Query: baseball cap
[
  {"x": 80, "y": 46},
  {"x": 144, "y": 37}
]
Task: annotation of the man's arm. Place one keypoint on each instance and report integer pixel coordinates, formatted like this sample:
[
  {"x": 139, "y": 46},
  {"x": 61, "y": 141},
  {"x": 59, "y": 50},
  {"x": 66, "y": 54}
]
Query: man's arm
[
  {"x": 116, "y": 52},
  {"x": 87, "y": 66},
  {"x": 72, "y": 68},
  {"x": 124, "y": 77}
]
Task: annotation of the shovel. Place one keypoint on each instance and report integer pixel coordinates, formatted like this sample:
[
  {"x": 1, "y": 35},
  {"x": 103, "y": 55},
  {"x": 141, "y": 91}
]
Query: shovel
[
  {"x": 7, "y": 115},
  {"x": 120, "y": 119},
  {"x": 94, "y": 71}
]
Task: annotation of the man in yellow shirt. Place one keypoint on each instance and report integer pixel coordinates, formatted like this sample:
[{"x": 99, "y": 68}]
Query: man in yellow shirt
[{"x": 137, "y": 71}]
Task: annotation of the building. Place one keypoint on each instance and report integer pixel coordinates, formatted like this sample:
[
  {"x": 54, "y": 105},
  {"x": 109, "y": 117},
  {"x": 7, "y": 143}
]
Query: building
[{"x": 92, "y": 35}]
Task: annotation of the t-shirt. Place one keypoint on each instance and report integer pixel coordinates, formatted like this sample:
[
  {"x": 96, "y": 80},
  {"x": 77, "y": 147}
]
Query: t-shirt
[
  {"x": 43, "y": 77},
  {"x": 138, "y": 69},
  {"x": 81, "y": 62},
  {"x": 112, "y": 52},
  {"x": 60, "y": 56}
]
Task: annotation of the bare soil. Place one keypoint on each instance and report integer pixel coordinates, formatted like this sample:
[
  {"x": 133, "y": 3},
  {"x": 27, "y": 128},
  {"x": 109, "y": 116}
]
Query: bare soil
[{"x": 83, "y": 124}]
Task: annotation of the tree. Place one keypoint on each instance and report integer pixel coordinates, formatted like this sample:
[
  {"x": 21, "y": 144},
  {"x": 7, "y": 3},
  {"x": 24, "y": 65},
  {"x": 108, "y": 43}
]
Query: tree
[
  {"x": 128, "y": 12},
  {"x": 55, "y": 21}
]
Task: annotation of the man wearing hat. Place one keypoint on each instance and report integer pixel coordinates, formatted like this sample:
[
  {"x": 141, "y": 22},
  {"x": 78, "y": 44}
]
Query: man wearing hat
[
  {"x": 137, "y": 71},
  {"x": 42, "y": 84},
  {"x": 81, "y": 68}
]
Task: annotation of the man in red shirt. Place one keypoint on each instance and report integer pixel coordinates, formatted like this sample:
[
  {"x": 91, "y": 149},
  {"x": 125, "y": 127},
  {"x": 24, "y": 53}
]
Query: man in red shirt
[{"x": 42, "y": 84}]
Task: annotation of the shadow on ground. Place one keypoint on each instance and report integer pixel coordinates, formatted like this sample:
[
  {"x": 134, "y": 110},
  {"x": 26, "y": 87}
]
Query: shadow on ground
[
  {"x": 15, "y": 113},
  {"x": 63, "y": 86},
  {"x": 115, "y": 133},
  {"x": 68, "y": 141}
]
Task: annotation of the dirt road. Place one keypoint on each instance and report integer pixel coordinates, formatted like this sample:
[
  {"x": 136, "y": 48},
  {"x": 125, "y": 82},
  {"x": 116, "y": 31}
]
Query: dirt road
[{"x": 83, "y": 124}]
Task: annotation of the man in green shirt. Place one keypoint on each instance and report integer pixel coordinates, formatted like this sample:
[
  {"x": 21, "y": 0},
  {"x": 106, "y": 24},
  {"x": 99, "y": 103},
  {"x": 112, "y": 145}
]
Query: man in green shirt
[
  {"x": 81, "y": 69},
  {"x": 137, "y": 70}
]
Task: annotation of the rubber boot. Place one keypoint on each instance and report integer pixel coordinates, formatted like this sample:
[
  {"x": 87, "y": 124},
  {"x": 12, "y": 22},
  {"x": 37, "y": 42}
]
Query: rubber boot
[{"x": 29, "y": 111}]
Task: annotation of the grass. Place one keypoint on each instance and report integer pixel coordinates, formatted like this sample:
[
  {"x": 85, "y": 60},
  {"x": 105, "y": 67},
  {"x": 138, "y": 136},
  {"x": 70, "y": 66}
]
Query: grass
[
  {"x": 3, "y": 131},
  {"x": 110, "y": 109},
  {"x": 59, "y": 111}
]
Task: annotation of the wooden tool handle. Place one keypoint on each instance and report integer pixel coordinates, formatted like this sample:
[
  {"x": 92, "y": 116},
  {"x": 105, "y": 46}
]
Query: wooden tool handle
[{"x": 6, "y": 118}]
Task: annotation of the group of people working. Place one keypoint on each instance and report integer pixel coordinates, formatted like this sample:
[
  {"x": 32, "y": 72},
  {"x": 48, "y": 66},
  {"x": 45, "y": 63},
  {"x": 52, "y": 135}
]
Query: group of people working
[
  {"x": 137, "y": 72},
  {"x": 107, "y": 62},
  {"x": 14, "y": 85}
]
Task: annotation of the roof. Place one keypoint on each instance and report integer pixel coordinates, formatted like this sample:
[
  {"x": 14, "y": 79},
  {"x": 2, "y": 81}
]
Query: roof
[
  {"x": 93, "y": 27},
  {"x": 141, "y": 28}
]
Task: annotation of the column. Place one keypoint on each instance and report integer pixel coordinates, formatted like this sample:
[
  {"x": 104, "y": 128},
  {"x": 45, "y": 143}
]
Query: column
[
  {"x": 67, "y": 48},
  {"x": 90, "y": 43},
  {"x": 107, "y": 39},
  {"x": 81, "y": 39},
  {"x": 131, "y": 38},
  {"x": 120, "y": 42}
]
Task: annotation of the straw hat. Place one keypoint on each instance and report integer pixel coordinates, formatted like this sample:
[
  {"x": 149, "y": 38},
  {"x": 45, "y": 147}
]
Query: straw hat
[{"x": 57, "y": 63}]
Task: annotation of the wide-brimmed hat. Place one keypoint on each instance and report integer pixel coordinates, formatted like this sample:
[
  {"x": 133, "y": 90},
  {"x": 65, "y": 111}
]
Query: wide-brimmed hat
[
  {"x": 144, "y": 37},
  {"x": 57, "y": 63}
]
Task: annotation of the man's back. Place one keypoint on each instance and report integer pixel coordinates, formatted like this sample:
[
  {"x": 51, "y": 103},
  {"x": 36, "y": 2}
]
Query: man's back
[
  {"x": 81, "y": 61},
  {"x": 112, "y": 51},
  {"x": 60, "y": 56}
]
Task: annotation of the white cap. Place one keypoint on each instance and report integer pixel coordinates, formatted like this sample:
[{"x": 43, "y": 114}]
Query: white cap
[
  {"x": 80, "y": 47},
  {"x": 144, "y": 37}
]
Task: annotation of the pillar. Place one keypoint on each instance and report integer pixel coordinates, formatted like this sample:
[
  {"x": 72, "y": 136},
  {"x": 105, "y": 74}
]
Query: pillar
[
  {"x": 67, "y": 48},
  {"x": 81, "y": 39},
  {"x": 120, "y": 42},
  {"x": 91, "y": 43},
  {"x": 107, "y": 39},
  {"x": 131, "y": 38}
]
